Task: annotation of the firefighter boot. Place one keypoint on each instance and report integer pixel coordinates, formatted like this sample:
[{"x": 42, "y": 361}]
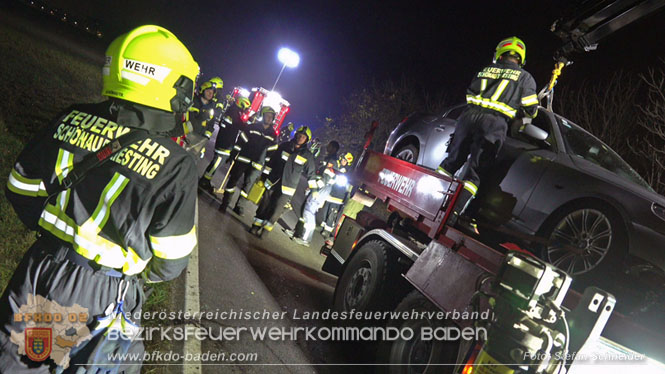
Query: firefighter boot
[
  {"x": 225, "y": 202},
  {"x": 256, "y": 229},
  {"x": 205, "y": 185},
  {"x": 463, "y": 200}
]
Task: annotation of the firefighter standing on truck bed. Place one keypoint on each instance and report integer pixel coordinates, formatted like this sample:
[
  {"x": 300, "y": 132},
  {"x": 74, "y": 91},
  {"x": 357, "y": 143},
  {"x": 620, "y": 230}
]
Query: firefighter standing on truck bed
[
  {"x": 229, "y": 129},
  {"x": 287, "y": 163},
  {"x": 250, "y": 158},
  {"x": 499, "y": 93},
  {"x": 126, "y": 219}
]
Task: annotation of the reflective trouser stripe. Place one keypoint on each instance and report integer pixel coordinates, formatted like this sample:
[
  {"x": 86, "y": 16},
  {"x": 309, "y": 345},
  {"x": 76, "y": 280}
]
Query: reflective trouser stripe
[
  {"x": 272, "y": 147},
  {"x": 243, "y": 194},
  {"x": 25, "y": 186},
  {"x": 211, "y": 169},
  {"x": 469, "y": 186},
  {"x": 257, "y": 222},
  {"x": 237, "y": 148},
  {"x": 175, "y": 246},
  {"x": 256, "y": 165},
  {"x": 268, "y": 226},
  {"x": 335, "y": 200},
  {"x": 230, "y": 190},
  {"x": 243, "y": 159},
  {"x": 223, "y": 152},
  {"x": 443, "y": 171}
]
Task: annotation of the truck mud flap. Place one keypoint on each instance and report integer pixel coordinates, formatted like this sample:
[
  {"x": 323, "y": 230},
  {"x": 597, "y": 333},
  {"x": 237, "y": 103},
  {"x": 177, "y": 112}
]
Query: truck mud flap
[{"x": 447, "y": 279}]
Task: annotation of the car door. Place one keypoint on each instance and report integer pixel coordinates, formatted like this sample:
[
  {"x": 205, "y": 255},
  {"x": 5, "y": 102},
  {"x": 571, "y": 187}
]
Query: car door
[
  {"x": 520, "y": 164},
  {"x": 436, "y": 148}
]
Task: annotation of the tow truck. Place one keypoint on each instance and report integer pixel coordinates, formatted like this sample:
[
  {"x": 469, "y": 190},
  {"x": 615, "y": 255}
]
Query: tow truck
[{"x": 401, "y": 255}]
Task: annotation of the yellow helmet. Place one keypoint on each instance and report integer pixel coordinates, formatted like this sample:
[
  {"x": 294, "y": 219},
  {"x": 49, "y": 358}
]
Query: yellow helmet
[
  {"x": 304, "y": 130},
  {"x": 348, "y": 156},
  {"x": 243, "y": 103},
  {"x": 151, "y": 67},
  {"x": 267, "y": 109},
  {"x": 513, "y": 46},
  {"x": 215, "y": 83}
]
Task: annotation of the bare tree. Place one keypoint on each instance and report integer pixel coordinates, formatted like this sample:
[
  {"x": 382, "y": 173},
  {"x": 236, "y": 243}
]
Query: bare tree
[
  {"x": 606, "y": 108},
  {"x": 388, "y": 103},
  {"x": 652, "y": 119}
]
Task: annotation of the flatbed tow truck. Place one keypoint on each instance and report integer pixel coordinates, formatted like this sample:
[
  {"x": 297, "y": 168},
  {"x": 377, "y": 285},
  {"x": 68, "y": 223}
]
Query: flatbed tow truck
[
  {"x": 402, "y": 255},
  {"x": 413, "y": 260}
]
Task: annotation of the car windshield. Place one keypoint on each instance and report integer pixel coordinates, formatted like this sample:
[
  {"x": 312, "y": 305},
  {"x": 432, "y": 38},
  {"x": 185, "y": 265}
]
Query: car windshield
[{"x": 582, "y": 144}]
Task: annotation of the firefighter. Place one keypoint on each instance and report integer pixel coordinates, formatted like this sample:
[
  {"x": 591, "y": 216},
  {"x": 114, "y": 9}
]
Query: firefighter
[
  {"x": 325, "y": 178},
  {"x": 250, "y": 159},
  {"x": 285, "y": 133},
  {"x": 287, "y": 163},
  {"x": 229, "y": 129},
  {"x": 499, "y": 93},
  {"x": 206, "y": 109},
  {"x": 339, "y": 194},
  {"x": 128, "y": 219}
]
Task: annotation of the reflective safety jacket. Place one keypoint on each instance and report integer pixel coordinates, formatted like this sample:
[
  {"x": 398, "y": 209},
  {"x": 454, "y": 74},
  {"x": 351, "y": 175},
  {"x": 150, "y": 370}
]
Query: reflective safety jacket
[
  {"x": 229, "y": 127},
  {"x": 253, "y": 143},
  {"x": 506, "y": 88},
  {"x": 134, "y": 213},
  {"x": 204, "y": 117},
  {"x": 287, "y": 163}
]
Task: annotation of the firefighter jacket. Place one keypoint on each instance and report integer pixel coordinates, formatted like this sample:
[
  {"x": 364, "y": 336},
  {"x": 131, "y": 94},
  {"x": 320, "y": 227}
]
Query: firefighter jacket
[
  {"x": 505, "y": 88},
  {"x": 342, "y": 187},
  {"x": 229, "y": 127},
  {"x": 204, "y": 117},
  {"x": 253, "y": 143},
  {"x": 325, "y": 171},
  {"x": 287, "y": 163},
  {"x": 134, "y": 213}
]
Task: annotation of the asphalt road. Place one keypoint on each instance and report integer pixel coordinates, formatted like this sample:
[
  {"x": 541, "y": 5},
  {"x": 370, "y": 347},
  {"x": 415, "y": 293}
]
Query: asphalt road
[{"x": 239, "y": 272}]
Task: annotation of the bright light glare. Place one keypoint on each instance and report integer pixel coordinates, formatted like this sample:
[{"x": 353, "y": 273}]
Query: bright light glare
[
  {"x": 288, "y": 57},
  {"x": 273, "y": 100},
  {"x": 243, "y": 92},
  {"x": 341, "y": 180}
]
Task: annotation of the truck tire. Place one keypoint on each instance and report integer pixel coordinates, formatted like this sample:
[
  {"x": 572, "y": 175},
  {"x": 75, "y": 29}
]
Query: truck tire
[
  {"x": 365, "y": 282},
  {"x": 416, "y": 355}
]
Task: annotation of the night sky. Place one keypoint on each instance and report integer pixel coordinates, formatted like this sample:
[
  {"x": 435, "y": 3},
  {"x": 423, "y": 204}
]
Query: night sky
[{"x": 345, "y": 45}]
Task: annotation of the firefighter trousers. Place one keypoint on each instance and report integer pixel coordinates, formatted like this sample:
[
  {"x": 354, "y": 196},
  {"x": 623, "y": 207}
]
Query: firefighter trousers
[
  {"x": 217, "y": 160},
  {"x": 248, "y": 173},
  {"x": 478, "y": 136},
  {"x": 46, "y": 271},
  {"x": 330, "y": 215},
  {"x": 307, "y": 222},
  {"x": 271, "y": 207}
]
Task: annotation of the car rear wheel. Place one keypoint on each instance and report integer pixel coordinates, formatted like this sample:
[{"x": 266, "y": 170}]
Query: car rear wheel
[
  {"x": 585, "y": 238},
  {"x": 407, "y": 152}
]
